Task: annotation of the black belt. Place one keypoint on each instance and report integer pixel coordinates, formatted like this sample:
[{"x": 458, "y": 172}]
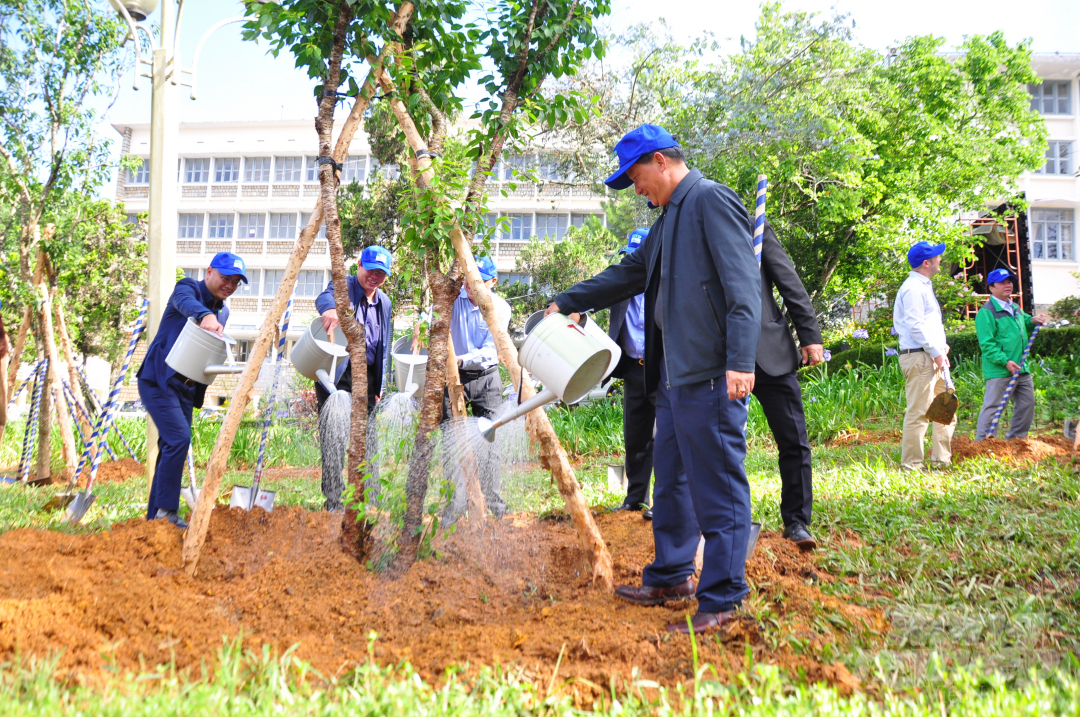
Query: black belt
[
  {"x": 911, "y": 351},
  {"x": 467, "y": 375}
]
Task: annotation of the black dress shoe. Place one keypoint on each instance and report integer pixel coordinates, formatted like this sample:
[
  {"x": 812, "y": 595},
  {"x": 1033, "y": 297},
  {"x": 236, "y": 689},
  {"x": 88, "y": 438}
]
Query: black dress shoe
[
  {"x": 647, "y": 514},
  {"x": 173, "y": 517},
  {"x": 702, "y": 621},
  {"x": 656, "y": 595},
  {"x": 798, "y": 534},
  {"x": 626, "y": 506}
]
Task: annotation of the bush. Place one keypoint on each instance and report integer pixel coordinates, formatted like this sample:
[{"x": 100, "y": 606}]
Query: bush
[{"x": 1067, "y": 308}]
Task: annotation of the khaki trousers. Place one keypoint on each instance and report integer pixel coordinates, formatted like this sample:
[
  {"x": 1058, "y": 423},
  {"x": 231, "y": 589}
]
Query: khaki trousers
[{"x": 924, "y": 382}]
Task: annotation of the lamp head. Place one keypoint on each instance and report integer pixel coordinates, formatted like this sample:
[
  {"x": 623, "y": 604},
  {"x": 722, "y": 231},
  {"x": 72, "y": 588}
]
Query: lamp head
[{"x": 139, "y": 10}]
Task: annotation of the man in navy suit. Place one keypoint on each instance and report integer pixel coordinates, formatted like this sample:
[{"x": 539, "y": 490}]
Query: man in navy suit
[{"x": 170, "y": 398}]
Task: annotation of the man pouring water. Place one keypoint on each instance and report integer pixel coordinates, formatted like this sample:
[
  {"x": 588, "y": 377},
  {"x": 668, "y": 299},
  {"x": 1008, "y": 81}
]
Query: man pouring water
[{"x": 702, "y": 289}]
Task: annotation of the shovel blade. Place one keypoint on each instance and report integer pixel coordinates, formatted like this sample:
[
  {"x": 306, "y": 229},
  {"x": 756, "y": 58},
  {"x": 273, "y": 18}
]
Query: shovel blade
[
  {"x": 190, "y": 494},
  {"x": 943, "y": 408},
  {"x": 755, "y": 531},
  {"x": 1070, "y": 429},
  {"x": 58, "y": 501},
  {"x": 78, "y": 507},
  {"x": 241, "y": 498}
]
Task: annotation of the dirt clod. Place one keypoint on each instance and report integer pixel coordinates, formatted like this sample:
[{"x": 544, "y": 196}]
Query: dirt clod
[{"x": 1016, "y": 450}]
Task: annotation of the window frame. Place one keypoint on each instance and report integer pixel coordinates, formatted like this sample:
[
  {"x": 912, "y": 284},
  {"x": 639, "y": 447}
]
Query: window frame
[
  {"x": 275, "y": 225},
  {"x": 184, "y": 225},
  {"x": 211, "y": 229},
  {"x": 279, "y": 171},
  {"x": 266, "y": 169},
  {"x": 142, "y": 174},
  {"x": 233, "y": 171},
  {"x": 1039, "y": 97},
  {"x": 203, "y": 172},
  {"x": 1039, "y": 223},
  {"x": 243, "y": 225},
  {"x": 251, "y": 288},
  {"x": 517, "y": 224}
]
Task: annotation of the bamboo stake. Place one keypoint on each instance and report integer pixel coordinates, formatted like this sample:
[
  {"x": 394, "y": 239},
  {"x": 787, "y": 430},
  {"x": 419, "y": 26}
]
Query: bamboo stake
[
  {"x": 52, "y": 383},
  {"x": 215, "y": 469},
  {"x": 73, "y": 369}
]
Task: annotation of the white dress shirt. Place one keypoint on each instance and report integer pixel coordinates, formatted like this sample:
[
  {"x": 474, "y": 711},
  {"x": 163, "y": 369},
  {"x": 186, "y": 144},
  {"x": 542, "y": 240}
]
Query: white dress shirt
[
  {"x": 473, "y": 343},
  {"x": 917, "y": 316}
]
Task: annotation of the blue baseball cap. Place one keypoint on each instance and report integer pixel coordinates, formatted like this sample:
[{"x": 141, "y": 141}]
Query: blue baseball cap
[
  {"x": 228, "y": 264},
  {"x": 638, "y": 142},
  {"x": 487, "y": 268},
  {"x": 922, "y": 251},
  {"x": 377, "y": 258},
  {"x": 999, "y": 275},
  {"x": 634, "y": 239}
]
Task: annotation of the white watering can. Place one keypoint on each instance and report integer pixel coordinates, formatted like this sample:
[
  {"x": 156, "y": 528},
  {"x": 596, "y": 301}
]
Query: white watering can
[
  {"x": 410, "y": 369},
  {"x": 568, "y": 358},
  {"x": 314, "y": 356},
  {"x": 201, "y": 355}
]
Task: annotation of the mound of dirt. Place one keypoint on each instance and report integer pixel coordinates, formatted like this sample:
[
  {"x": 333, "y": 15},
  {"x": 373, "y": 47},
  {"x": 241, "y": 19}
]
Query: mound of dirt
[
  {"x": 516, "y": 593},
  {"x": 1017, "y": 450},
  {"x": 120, "y": 471},
  {"x": 864, "y": 438}
]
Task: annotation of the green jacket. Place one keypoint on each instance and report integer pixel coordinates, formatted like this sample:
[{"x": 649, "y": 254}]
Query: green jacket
[{"x": 1002, "y": 337}]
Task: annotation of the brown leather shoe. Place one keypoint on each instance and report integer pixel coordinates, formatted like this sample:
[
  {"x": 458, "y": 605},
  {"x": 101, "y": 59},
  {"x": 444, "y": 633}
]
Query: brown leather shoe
[
  {"x": 702, "y": 621},
  {"x": 656, "y": 595}
]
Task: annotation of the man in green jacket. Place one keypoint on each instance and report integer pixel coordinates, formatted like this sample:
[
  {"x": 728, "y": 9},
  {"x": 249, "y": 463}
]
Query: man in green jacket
[{"x": 1002, "y": 329}]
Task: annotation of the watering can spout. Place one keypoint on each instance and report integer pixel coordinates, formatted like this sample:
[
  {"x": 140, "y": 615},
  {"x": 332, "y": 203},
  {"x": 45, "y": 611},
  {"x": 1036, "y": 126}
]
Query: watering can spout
[
  {"x": 216, "y": 368},
  {"x": 487, "y": 427},
  {"x": 324, "y": 379}
]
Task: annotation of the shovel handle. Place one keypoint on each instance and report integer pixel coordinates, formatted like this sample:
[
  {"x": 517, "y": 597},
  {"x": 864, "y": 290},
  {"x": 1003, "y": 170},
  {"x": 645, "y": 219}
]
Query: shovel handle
[{"x": 1012, "y": 382}]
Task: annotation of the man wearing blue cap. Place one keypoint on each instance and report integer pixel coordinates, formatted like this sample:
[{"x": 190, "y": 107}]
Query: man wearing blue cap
[
  {"x": 923, "y": 357},
  {"x": 702, "y": 289},
  {"x": 170, "y": 398},
  {"x": 478, "y": 368},
  {"x": 627, "y": 328},
  {"x": 1002, "y": 328}
]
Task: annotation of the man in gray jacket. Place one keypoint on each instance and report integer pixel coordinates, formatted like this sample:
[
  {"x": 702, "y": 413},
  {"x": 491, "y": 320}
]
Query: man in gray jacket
[{"x": 702, "y": 290}]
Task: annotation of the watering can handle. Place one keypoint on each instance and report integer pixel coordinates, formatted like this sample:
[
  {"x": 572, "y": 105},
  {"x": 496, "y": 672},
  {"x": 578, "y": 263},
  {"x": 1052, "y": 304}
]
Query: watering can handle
[{"x": 229, "y": 359}]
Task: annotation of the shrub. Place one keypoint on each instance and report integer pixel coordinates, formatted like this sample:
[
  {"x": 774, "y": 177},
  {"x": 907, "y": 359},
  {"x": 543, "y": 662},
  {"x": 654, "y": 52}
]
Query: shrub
[{"x": 1067, "y": 308}]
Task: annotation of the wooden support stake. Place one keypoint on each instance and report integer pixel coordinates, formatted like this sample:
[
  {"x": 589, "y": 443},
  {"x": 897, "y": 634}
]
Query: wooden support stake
[
  {"x": 73, "y": 370},
  {"x": 67, "y": 438}
]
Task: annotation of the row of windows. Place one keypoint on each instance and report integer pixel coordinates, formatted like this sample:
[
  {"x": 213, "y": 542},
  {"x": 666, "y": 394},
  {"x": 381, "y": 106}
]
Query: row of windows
[
  {"x": 243, "y": 226},
  {"x": 520, "y": 227},
  {"x": 259, "y": 170},
  {"x": 265, "y": 282},
  {"x": 1052, "y": 232},
  {"x": 1058, "y": 159},
  {"x": 1052, "y": 97}
]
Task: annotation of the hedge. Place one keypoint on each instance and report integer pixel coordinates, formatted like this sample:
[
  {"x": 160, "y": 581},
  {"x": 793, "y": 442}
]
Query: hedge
[{"x": 1063, "y": 341}]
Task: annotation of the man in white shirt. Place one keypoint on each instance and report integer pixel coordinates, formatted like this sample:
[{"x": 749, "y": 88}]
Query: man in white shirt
[{"x": 923, "y": 357}]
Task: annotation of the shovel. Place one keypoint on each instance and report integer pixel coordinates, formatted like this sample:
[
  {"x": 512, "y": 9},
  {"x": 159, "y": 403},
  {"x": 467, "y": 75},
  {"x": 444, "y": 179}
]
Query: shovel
[
  {"x": 1069, "y": 430},
  {"x": 190, "y": 493},
  {"x": 943, "y": 408}
]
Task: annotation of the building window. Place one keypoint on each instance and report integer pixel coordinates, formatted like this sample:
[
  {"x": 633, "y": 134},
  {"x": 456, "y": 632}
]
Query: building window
[
  {"x": 551, "y": 225},
  {"x": 193, "y": 274},
  {"x": 252, "y": 287},
  {"x": 549, "y": 169},
  {"x": 131, "y": 218},
  {"x": 507, "y": 278},
  {"x": 221, "y": 226},
  {"x": 252, "y": 226},
  {"x": 578, "y": 220},
  {"x": 256, "y": 169},
  {"x": 287, "y": 169},
  {"x": 226, "y": 169},
  {"x": 243, "y": 351},
  {"x": 309, "y": 283},
  {"x": 1058, "y": 159},
  {"x": 272, "y": 280},
  {"x": 1052, "y": 97},
  {"x": 311, "y": 169},
  {"x": 390, "y": 171},
  {"x": 512, "y": 167},
  {"x": 305, "y": 218},
  {"x": 518, "y": 227},
  {"x": 141, "y": 174},
  {"x": 354, "y": 169},
  {"x": 1052, "y": 232},
  {"x": 283, "y": 226},
  {"x": 190, "y": 226},
  {"x": 196, "y": 171}
]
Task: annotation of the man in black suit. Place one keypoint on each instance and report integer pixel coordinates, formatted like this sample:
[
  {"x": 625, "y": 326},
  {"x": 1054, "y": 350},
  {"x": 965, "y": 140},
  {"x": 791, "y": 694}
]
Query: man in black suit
[
  {"x": 627, "y": 328},
  {"x": 777, "y": 387}
]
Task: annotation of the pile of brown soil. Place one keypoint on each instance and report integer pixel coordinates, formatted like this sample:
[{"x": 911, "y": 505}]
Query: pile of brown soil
[
  {"x": 1017, "y": 450},
  {"x": 120, "y": 471},
  {"x": 864, "y": 438},
  {"x": 515, "y": 593}
]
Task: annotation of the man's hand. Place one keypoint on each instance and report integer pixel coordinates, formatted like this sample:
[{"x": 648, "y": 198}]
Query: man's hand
[
  {"x": 813, "y": 354},
  {"x": 1013, "y": 367},
  {"x": 941, "y": 362},
  {"x": 554, "y": 308},
  {"x": 210, "y": 323},
  {"x": 1042, "y": 319},
  {"x": 739, "y": 384},
  {"x": 329, "y": 320}
]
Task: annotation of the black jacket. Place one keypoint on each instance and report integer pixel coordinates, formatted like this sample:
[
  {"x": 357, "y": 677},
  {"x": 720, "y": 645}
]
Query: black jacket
[
  {"x": 711, "y": 309},
  {"x": 776, "y": 352}
]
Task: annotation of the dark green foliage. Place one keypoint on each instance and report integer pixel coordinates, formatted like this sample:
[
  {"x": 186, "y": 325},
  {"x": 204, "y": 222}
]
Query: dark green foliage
[{"x": 1067, "y": 308}]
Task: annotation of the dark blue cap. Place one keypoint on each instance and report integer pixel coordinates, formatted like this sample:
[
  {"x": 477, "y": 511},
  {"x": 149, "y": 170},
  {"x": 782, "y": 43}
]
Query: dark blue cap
[
  {"x": 922, "y": 251},
  {"x": 634, "y": 239},
  {"x": 636, "y": 143},
  {"x": 486, "y": 267},
  {"x": 999, "y": 275},
  {"x": 375, "y": 258},
  {"x": 229, "y": 264}
]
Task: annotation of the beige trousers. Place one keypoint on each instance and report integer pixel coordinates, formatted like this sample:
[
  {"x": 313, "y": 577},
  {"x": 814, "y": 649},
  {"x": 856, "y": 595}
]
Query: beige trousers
[{"x": 924, "y": 382}]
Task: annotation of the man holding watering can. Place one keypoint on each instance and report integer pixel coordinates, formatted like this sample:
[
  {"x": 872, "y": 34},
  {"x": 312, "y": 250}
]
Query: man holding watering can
[
  {"x": 702, "y": 287},
  {"x": 170, "y": 398},
  {"x": 1003, "y": 329}
]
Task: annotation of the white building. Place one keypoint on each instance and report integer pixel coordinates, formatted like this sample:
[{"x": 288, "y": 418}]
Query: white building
[
  {"x": 1054, "y": 190},
  {"x": 249, "y": 188}
]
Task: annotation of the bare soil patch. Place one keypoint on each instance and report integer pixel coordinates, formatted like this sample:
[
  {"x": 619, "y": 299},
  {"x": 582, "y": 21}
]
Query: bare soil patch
[
  {"x": 1016, "y": 450},
  {"x": 516, "y": 593},
  {"x": 120, "y": 471}
]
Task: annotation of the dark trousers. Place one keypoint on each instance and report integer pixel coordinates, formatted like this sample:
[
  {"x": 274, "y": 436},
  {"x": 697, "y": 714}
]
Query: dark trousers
[
  {"x": 781, "y": 400},
  {"x": 701, "y": 490},
  {"x": 345, "y": 384},
  {"x": 484, "y": 395},
  {"x": 639, "y": 418},
  {"x": 171, "y": 408}
]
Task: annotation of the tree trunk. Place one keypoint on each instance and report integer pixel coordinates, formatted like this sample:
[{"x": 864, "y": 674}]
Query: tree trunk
[
  {"x": 72, "y": 370},
  {"x": 20, "y": 344},
  {"x": 4, "y": 356},
  {"x": 67, "y": 438}
]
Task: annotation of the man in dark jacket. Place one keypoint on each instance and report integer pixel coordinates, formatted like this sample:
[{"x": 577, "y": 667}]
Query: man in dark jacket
[
  {"x": 627, "y": 328},
  {"x": 170, "y": 398},
  {"x": 702, "y": 289},
  {"x": 776, "y": 385}
]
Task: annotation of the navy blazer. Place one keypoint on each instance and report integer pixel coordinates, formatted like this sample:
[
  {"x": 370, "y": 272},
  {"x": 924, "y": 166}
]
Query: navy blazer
[
  {"x": 190, "y": 298},
  {"x": 325, "y": 301}
]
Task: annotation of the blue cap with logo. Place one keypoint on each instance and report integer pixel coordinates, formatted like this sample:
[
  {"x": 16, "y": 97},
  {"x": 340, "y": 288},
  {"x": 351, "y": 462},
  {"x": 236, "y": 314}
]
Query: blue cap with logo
[
  {"x": 376, "y": 258},
  {"x": 228, "y": 264},
  {"x": 486, "y": 267},
  {"x": 634, "y": 239},
  {"x": 634, "y": 144},
  {"x": 922, "y": 251},
  {"x": 999, "y": 275}
]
